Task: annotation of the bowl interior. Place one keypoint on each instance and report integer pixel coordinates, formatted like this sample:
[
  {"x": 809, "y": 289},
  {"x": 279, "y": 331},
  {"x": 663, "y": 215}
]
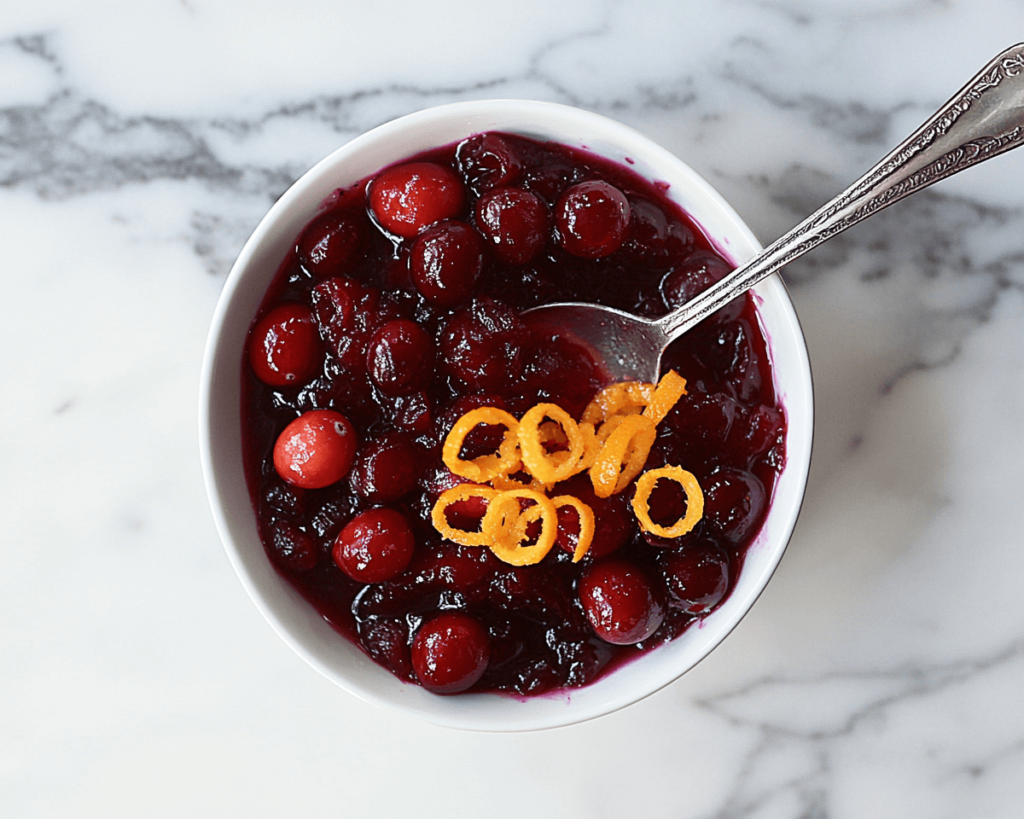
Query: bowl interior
[{"x": 220, "y": 414}]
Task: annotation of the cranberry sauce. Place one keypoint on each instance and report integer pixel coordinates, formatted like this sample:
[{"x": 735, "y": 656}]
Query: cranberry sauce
[{"x": 398, "y": 311}]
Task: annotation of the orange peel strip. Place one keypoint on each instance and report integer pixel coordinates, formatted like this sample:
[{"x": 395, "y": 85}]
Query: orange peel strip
[
  {"x": 505, "y": 483},
  {"x": 507, "y": 526},
  {"x": 670, "y": 389},
  {"x": 460, "y": 493},
  {"x": 623, "y": 455},
  {"x": 549, "y": 467},
  {"x": 485, "y": 467},
  {"x": 607, "y": 428},
  {"x": 587, "y": 523},
  {"x": 694, "y": 501},
  {"x": 624, "y": 398}
]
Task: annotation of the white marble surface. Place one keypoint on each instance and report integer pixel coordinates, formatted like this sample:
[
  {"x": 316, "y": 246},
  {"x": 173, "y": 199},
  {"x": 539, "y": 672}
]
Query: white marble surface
[{"x": 880, "y": 674}]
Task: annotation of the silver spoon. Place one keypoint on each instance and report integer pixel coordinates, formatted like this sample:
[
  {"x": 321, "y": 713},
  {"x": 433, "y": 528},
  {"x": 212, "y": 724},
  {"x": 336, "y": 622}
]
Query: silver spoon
[{"x": 985, "y": 119}]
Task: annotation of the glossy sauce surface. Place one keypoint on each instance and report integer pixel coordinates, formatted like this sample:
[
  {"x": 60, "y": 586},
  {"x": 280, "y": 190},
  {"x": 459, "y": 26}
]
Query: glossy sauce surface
[{"x": 420, "y": 322}]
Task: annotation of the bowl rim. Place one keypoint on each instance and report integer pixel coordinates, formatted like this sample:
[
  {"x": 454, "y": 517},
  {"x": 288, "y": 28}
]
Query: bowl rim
[{"x": 281, "y": 606}]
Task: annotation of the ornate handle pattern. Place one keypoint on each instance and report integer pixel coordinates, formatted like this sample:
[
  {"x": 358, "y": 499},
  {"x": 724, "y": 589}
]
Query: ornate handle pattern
[{"x": 985, "y": 119}]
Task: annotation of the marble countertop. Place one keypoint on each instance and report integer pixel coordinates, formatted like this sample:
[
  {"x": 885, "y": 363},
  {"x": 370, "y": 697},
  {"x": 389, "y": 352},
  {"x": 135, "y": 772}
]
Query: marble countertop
[{"x": 881, "y": 672}]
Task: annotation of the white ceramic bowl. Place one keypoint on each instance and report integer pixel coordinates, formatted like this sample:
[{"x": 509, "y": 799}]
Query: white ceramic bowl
[{"x": 220, "y": 415}]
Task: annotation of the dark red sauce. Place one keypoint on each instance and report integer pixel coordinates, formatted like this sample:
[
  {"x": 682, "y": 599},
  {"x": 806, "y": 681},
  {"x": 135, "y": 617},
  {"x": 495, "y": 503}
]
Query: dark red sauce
[{"x": 419, "y": 322}]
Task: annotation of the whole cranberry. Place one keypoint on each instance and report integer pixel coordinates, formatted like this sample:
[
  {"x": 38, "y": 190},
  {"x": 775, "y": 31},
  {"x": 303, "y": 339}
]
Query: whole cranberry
[
  {"x": 316, "y": 449},
  {"x": 450, "y": 653},
  {"x": 387, "y": 468},
  {"x": 334, "y": 243},
  {"x": 696, "y": 576},
  {"x": 592, "y": 219},
  {"x": 386, "y": 639},
  {"x": 487, "y": 161},
  {"x": 407, "y": 198},
  {"x": 759, "y": 429},
  {"x": 292, "y": 548},
  {"x": 655, "y": 239},
  {"x": 701, "y": 270},
  {"x": 734, "y": 503},
  {"x": 400, "y": 357},
  {"x": 515, "y": 222},
  {"x": 445, "y": 263},
  {"x": 413, "y": 412},
  {"x": 450, "y": 566},
  {"x": 374, "y": 546},
  {"x": 481, "y": 346},
  {"x": 549, "y": 180},
  {"x": 701, "y": 423},
  {"x": 285, "y": 348},
  {"x": 347, "y": 313},
  {"x": 621, "y": 601}
]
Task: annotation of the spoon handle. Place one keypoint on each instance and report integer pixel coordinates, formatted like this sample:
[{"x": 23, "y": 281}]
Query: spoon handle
[{"x": 985, "y": 119}]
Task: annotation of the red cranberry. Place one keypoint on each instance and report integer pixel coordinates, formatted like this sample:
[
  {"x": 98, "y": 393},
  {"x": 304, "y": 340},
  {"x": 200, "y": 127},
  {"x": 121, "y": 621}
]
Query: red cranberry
[
  {"x": 285, "y": 500},
  {"x": 621, "y": 602},
  {"x": 333, "y": 243},
  {"x": 487, "y": 161},
  {"x": 387, "y": 468},
  {"x": 347, "y": 313},
  {"x": 375, "y": 546},
  {"x": 654, "y": 238},
  {"x": 701, "y": 423},
  {"x": 481, "y": 347},
  {"x": 515, "y": 222},
  {"x": 445, "y": 262},
  {"x": 450, "y": 566},
  {"x": 400, "y": 357},
  {"x": 285, "y": 349},
  {"x": 413, "y": 413},
  {"x": 387, "y": 641},
  {"x": 407, "y": 198},
  {"x": 450, "y": 653},
  {"x": 761, "y": 428},
  {"x": 549, "y": 180},
  {"x": 734, "y": 503},
  {"x": 592, "y": 219},
  {"x": 292, "y": 548},
  {"x": 693, "y": 277},
  {"x": 696, "y": 576},
  {"x": 316, "y": 449}
]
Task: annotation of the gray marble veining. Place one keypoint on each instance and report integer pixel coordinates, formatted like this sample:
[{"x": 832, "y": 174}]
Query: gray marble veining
[{"x": 880, "y": 673}]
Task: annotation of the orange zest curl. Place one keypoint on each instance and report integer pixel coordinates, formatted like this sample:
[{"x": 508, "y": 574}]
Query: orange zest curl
[
  {"x": 694, "y": 501},
  {"x": 587, "y": 523},
  {"x": 504, "y": 483},
  {"x": 506, "y": 525},
  {"x": 670, "y": 389},
  {"x": 439, "y": 517},
  {"x": 550, "y": 467},
  {"x": 485, "y": 467},
  {"x": 613, "y": 441},
  {"x": 624, "y": 398},
  {"x": 623, "y": 455}
]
